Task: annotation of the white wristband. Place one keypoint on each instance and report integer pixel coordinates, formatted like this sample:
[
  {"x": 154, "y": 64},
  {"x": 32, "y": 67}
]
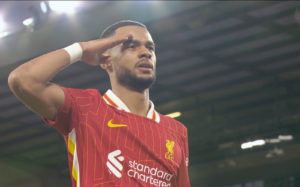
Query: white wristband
[{"x": 74, "y": 51}]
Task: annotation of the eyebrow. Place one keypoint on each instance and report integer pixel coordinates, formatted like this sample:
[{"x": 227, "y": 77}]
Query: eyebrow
[{"x": 127, "y": 42}]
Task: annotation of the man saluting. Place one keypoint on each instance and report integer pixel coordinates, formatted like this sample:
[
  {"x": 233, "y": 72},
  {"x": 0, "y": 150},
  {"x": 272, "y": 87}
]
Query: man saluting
[{"x": 114, "y": 139}]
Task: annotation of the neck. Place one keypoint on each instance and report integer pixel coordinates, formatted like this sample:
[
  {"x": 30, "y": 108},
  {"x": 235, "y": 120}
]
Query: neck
[{"x": 137, "y": 102}]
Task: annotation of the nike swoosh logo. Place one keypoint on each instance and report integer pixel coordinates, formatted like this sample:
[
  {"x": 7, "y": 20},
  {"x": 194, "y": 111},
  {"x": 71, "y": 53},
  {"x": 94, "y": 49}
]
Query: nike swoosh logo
[{"x": 110, "y": 124}]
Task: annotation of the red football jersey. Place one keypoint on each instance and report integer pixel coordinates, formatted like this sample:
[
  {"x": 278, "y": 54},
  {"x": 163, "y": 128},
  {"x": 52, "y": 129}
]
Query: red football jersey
[{"x": 110, "y": 146}]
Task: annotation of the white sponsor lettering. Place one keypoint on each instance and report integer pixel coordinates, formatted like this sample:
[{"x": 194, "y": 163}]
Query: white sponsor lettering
[
  {"x": 138, "y": 171},
  {"x": 114, "y": 163},
  {"x": 154, "y": 176}
]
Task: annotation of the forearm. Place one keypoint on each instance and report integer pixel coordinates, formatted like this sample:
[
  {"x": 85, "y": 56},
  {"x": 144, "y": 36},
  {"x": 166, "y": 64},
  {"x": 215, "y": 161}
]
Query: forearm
[
  {"x": 30, "y": 83},
  {"x": 39, "y": 71}
]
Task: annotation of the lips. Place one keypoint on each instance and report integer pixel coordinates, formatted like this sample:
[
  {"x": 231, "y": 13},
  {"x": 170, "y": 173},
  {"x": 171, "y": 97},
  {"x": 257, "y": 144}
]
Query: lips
[{"x": 145, "y": 64}]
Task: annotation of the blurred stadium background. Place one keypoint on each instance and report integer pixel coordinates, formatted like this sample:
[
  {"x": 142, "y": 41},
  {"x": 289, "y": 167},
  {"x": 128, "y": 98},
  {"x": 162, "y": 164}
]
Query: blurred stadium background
[{"x": 231, "y": 68}]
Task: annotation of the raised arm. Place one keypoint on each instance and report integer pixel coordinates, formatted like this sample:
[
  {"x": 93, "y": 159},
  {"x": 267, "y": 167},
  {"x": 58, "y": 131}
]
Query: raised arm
[{"x": 30, "y": 81}]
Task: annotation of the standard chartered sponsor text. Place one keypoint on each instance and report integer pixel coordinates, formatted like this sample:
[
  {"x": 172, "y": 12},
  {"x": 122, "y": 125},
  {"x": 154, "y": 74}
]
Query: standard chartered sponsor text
[{"x": 153, "y": 176}]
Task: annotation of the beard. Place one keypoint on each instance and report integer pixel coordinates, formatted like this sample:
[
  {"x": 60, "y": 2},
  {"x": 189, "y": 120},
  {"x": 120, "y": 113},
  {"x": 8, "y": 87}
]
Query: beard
[{"x": 128, "y": 79}]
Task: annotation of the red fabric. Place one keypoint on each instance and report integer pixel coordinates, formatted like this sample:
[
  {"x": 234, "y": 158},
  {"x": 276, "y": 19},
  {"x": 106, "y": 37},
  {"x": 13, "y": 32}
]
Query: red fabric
[{"x": 148, "y": 161}]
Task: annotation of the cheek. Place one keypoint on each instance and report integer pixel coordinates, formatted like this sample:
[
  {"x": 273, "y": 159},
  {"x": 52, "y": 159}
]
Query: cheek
[
  {"x": 121, "y": 62},
  {"x": 154, "y": 60},
  {"x": 128, "y": 59},
  {"x": 115, "y": 53}
]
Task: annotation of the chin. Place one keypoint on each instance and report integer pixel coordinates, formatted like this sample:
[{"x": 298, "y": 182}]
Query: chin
[
  {"x": 143, "y": 83},
  {"x": 138, "y": 82}
]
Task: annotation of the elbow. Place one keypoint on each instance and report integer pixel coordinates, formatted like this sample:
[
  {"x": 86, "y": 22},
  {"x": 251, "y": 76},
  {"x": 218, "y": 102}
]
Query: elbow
[
  {"x": 13, "y": 80},
  {"x": 21, "y": 82},
  {"x": 16, "y": 81}
]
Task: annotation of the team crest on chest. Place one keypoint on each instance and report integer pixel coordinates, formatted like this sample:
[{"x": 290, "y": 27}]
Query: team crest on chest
[{"x": 170, "y": 152}]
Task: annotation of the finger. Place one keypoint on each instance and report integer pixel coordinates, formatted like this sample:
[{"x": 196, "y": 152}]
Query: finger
[{"x": 116, "y": 40}]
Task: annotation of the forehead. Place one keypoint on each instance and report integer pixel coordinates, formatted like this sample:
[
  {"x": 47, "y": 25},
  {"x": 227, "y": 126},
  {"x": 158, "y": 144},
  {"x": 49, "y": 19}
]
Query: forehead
[{"x": 138, "y": 33}]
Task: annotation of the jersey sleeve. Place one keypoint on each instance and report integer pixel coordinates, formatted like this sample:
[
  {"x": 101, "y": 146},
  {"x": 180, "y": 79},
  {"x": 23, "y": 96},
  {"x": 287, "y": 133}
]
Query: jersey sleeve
[
  {"x": 64, "y": 116},
  {"x": 183, "y": 179}
]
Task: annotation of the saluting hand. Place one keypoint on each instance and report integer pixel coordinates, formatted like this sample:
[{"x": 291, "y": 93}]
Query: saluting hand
[{"x": 93, "y": 51}]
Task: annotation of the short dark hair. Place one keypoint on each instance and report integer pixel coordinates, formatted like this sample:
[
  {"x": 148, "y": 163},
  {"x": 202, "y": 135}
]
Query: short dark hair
[{"x": 110, "y": 30}]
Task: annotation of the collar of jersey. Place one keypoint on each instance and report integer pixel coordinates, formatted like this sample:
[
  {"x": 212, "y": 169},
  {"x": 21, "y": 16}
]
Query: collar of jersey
[{"x": 113, "y": 100}]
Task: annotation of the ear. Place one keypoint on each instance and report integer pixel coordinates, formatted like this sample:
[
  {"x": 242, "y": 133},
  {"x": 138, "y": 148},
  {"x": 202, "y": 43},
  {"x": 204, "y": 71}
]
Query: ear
[{"x": 106, "y": 63}]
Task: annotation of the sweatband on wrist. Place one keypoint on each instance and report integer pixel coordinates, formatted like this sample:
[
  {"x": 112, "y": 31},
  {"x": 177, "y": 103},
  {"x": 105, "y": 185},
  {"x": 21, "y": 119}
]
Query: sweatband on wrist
[{"x": 74, "y": 51}]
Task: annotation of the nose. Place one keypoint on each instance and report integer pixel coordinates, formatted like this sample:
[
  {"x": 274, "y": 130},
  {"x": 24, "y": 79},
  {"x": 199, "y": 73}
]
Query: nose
[{"x": 145, "y": 53}]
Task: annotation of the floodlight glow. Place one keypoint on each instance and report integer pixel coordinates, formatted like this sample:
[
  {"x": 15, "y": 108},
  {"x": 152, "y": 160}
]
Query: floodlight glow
[
  {"x": 273, "y": 140},
  {"x": 280, "y": 138},
  {"x": 3, "y": 34},
  {"x": 174, "y": 114},
  {"x": 2, "y": 24},
  {"x": 285, "y": 137},
  {"x": 64, "y": 6},
  {"x": 28, "y": 22},
  {"x": 248, "y": 145},
  {"x": 43, "y": 7}
]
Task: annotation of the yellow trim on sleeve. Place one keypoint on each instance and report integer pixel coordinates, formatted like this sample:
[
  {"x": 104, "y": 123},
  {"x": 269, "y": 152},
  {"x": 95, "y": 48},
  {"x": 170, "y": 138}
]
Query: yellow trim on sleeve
[
  {"x": 74, "y": 173},
  {"x": 71, "y": 145}
]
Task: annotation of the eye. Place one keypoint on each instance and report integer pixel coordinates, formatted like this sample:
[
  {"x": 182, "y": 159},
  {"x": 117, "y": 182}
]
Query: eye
[
  {"x": 151, "y": 48},
  {"x": 132, "y": 46},
  {"x": 129, "y": 46}
]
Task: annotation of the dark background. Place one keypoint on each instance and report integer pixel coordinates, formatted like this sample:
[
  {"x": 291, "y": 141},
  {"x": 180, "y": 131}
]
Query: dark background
[{"x": 232, "y": 68}]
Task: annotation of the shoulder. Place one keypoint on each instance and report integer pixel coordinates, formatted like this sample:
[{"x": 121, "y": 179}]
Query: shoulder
[
  {"x": 81, "y": 92},
  {"x": 82, "y": 97},
  {"x": 174, "y": 124}
]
